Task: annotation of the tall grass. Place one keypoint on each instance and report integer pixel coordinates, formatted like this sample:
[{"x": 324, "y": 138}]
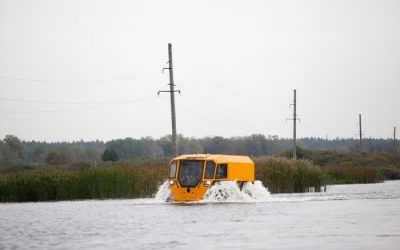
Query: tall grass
[
  {"x": 355, "y": 167},
  {"x": 281, "y": 175},
  {"x": 128, "y": 180},
  {"x": 121, "y": 181},
  {"x": 350, "y": 175}
]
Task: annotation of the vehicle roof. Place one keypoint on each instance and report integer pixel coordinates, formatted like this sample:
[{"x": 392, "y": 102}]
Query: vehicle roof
[{"x": 217, "y": 158}]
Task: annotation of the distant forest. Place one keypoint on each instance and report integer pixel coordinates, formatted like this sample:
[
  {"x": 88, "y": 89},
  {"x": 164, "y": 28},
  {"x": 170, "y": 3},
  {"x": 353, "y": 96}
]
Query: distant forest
[{"x": 14, "y": 152}]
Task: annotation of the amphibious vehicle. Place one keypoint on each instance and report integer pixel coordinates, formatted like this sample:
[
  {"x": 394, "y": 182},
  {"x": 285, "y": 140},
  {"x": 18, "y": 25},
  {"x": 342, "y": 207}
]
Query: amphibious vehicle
[{"x": 190, "y": 176}]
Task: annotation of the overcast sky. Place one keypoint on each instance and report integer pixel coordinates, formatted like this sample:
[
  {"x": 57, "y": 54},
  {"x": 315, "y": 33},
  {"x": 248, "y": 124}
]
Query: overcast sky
[{"x": 80, "y": 69}]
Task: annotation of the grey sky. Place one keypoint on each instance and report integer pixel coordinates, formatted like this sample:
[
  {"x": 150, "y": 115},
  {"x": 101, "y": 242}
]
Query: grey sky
[{"x": 91, "y": 69}]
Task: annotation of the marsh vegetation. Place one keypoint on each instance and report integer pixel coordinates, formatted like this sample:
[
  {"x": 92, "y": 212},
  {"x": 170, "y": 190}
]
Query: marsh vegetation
[{"x": 128, "y": 168}]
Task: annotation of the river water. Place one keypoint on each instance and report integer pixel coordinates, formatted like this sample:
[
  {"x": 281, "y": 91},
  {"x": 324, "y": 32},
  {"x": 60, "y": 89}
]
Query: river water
[{"x": 365, "y": 216}]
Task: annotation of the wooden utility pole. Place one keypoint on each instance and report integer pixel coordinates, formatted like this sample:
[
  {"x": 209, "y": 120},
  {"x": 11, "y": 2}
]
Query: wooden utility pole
[
  {"x": 294, "y": 125},
  {"x": 172, "y": 97},
  {"x": 359, "y": 118},
  {"x": 394, "y": 139}
]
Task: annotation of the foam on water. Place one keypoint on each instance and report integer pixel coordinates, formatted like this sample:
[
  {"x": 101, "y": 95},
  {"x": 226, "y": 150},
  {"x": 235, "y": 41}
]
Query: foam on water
[{"x": 226, "y": 191}]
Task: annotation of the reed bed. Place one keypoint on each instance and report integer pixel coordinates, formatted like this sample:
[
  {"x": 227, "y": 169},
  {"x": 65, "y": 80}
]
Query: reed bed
[
  {"x": 281, "y": 175},
  {"x": 121, "y": 181},
  {"x": 350, "y": 175},
  {"x": 132, "y": 180}
]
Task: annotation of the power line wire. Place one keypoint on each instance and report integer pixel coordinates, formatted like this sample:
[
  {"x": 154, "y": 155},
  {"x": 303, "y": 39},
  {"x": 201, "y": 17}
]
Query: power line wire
[
  {"x": 77, "y": 81},
  {"x": 64, "y": 103},
  {"x": 223, "y": 117},
  {"x": 74, "y": 109},
  {"x": 222, "y": 107},
  {"x": 212, "y": 121},
  {"x": 216, "y": 83}
]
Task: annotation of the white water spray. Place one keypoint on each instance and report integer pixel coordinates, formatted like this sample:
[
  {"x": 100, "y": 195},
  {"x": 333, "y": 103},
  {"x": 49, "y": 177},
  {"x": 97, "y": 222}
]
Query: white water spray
[
  {"x": 163, "y": 193},
  {"x": 256, "y": 191},
  {"x": 229, "y": 191},
  {"x": 225, "y": 191}
]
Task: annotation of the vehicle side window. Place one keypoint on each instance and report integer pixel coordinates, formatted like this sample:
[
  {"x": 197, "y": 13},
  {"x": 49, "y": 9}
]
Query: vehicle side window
[
  {"x": 210, "y": 169},
  {"x": 222, "y": 171},
  {"x": 172, "y": 170}
]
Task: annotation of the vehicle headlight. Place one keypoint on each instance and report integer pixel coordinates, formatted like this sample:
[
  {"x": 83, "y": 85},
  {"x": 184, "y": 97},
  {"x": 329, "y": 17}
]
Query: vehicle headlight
[
  {"x": 171, "y": 183},
  {"x": 207, "y": 183}
]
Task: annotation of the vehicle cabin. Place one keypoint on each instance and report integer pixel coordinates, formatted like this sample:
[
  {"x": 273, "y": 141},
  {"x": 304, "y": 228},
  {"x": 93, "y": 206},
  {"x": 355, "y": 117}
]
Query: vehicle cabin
[{"x": 190, "y": 176}]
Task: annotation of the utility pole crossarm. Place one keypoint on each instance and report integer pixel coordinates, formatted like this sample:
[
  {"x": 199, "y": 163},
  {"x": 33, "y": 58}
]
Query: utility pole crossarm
[{"x": 168, "y": 91}]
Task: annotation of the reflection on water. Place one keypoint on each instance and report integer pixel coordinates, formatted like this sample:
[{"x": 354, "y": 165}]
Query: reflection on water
[{"x": 346, "y": 216}]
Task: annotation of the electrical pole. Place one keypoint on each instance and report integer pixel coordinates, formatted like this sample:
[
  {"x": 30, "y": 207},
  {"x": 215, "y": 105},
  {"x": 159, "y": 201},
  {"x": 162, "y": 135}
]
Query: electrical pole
[
  {"x": 394, "y": 139},
  {"x": 172, "y": 91},
  {"x": 294, "y": 125},
  {"x": 359, "y": 118}
]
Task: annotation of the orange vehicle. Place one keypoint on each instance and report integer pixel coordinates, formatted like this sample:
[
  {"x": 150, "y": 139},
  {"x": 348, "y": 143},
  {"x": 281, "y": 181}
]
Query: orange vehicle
[{"x": 190, "y": 176}]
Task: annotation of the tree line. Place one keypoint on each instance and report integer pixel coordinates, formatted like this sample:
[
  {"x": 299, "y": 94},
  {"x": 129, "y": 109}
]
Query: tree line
[{"x": 14, "y": 152}]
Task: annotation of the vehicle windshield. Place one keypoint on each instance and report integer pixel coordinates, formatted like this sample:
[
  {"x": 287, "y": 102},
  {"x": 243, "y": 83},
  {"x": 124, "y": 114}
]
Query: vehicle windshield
[{"x": 190, "y": 173}]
